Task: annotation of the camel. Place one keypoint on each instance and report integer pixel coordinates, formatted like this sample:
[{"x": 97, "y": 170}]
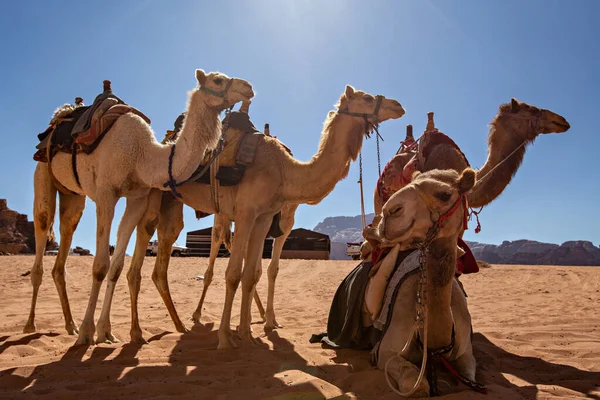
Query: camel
[
  {"x": 221, "y": 233},
  {"x": 406, "y": 222},
  {"x": 128, "y": 163},
  {"x": 274, "y": 178},
  {"x": 413, "y": 215},
  {"x": 516, "y": 126}
]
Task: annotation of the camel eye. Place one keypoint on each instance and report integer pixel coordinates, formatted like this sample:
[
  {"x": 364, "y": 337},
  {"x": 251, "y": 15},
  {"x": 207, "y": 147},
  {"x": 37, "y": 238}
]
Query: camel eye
[
  {"x": 368, "y": 99},
  {"x": 218, "y": 81},
  {"x": 443, "y": 196},
  {"x": 395, "y": 210}
]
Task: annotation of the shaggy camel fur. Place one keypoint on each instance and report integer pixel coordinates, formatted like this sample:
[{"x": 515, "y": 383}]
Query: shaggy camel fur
[
  {"x": 127, "y": 163},
  {"x": 275, "y": 178},
  {"x": 221, "y": 233}
]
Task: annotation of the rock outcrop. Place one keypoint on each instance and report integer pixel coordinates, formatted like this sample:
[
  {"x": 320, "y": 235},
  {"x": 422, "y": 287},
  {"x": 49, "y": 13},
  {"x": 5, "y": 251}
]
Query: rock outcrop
[{"x": 17, "y": 235}]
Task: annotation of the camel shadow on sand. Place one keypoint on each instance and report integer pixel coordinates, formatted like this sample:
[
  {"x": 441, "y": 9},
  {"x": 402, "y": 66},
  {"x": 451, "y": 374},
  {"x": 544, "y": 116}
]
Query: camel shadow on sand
[{"x": 193, "y": 368}]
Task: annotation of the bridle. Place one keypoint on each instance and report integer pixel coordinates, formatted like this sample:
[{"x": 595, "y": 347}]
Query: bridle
[
  {"x": 369, "y": 126},
  {"x": 221, "y": 93}
]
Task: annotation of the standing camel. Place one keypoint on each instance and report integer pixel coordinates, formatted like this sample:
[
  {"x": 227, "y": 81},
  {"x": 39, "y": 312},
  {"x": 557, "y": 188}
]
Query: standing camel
[
  {"x": 128, "y": 162},
  {"x": 274, "y": 178}
]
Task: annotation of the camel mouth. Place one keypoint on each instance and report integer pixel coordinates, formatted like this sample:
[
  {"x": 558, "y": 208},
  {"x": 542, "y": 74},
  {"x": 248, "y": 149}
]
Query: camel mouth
[{"x": 399, "y": 236}]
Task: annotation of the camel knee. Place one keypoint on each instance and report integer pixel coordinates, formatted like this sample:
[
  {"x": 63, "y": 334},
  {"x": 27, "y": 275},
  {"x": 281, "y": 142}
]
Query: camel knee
[
  {"x": 273, "y": 270},
  {"x": 233, "y": 279},
  {"x": 58, "y": 274},
  {"x": 37, "y": 274},
  {"x": 43, "y": 220},
  {"x": 151, "y": 225},
  {"x": 100, "y": 272}
]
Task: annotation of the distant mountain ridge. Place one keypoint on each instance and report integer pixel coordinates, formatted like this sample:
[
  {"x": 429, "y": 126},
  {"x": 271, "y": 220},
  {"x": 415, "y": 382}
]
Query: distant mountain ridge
[{"x": 342, "y": 230}]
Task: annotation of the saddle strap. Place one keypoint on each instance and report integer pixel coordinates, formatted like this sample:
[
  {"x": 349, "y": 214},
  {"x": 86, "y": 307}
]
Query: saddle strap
[
  {"x": 55, "y": 181},
  {"x": 214, "y": 183}
]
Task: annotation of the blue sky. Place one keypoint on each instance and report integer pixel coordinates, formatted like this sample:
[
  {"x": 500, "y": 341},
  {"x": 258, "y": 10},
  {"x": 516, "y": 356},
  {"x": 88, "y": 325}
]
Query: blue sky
[{"x": 460, "y": 59}]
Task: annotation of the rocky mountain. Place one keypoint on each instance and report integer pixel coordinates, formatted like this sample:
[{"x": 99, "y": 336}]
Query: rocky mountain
[
  {"x": 16, "y": 232},
  {"x": 342, "y": 230}
]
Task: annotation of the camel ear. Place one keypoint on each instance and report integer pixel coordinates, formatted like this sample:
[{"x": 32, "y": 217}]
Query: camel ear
[
  {"x": 466, "y": 181},
  {"x": 201, "y": 76},
  {"x": 349, "y": 92},
  {"x": 514, "y": 105}
]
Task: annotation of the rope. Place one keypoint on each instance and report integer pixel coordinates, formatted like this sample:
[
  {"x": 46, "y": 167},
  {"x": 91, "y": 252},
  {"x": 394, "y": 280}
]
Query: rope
[
  {"x": 378, "y": 155},
  {"x": 362, "y": 199},
  {"x": 171, "y": 183}
]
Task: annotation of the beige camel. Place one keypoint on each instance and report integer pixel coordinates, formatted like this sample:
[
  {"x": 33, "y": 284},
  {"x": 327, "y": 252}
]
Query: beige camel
[
  {"x": 127, "y": 163},
  {"x": 275, "y": 178},
  {"x": 221, "y": 233}
]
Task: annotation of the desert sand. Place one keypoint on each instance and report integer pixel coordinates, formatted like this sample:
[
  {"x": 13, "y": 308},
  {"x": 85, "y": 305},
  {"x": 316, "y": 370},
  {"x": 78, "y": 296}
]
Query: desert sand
[{"x": 537, "y": 336}]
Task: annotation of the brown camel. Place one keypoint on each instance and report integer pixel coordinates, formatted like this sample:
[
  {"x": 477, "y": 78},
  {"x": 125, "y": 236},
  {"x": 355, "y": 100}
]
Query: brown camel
[
  {"x": 275, "y": 178},
  {"x": 516, "y": 125}
]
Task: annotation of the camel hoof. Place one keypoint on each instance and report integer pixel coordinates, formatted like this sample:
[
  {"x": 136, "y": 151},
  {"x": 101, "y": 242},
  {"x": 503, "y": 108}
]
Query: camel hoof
[
  {"x": 272, "y": 325},
  {"x": 226, "y": 341},
  {"x": 87, "y": 340},
  {"x": 182, "y": 329},
  {"x": 196, "y": 317},
  {"x": 72, "y": 329},
  {"x": 106, "y": 338},
  {"x": 137, "y": 337},
  {"x": 30, "y": 328}
]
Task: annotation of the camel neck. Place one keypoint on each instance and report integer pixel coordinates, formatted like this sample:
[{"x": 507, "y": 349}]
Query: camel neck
[
  {"x": 310, "y": 182},
  {"x": 441, "y": 266},
  {"x": 503, "y": 141},
  {"x": 200, "y": 131}
]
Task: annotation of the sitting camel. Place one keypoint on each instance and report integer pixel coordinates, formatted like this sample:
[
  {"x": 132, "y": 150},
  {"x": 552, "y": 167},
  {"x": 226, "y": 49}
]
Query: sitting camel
[
  {"x": 428, "y": 213},
  {"x": 128, "y": 162},
  {"x": 273, "y": 179}
]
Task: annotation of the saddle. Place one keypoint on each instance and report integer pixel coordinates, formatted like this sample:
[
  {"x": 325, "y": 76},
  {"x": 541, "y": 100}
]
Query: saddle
[
  {"x": 79, "y": 128},
  {"x": 236, "y": 154}
]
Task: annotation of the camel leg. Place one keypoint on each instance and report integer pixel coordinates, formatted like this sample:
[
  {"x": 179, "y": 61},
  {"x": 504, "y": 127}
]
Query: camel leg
[
  {"x": 70, "y": 211},
  {"x": 105, "y": 212},
  {"x": 466, "y": 364},
  {"x": 243, "y": 227},
  {"x": 144, "y": 232},
  {"x": 169, "y": 227},
  {"x": 286, "y": 225},
  {"x": 220, "y": 227},
  {"x": 252, "y": 272},
  {"x": 405, "y": 375},
  {"x": 131, "y": 217},
  {"x": 259, "y": 305},
  {"x": 44, "y": 207}
]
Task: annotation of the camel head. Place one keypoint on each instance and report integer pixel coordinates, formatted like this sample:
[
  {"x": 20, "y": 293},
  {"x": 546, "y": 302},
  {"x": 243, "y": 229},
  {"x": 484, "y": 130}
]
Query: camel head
[
  {"x": 435, "y": 196},
  {"x": 363, "y": 105},
  {"x": 523, "y": 117},
  {"x": 221, "y": 91}
]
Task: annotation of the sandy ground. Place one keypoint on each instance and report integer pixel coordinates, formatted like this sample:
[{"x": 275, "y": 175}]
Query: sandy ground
[{"x": 537, "y": 335}]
